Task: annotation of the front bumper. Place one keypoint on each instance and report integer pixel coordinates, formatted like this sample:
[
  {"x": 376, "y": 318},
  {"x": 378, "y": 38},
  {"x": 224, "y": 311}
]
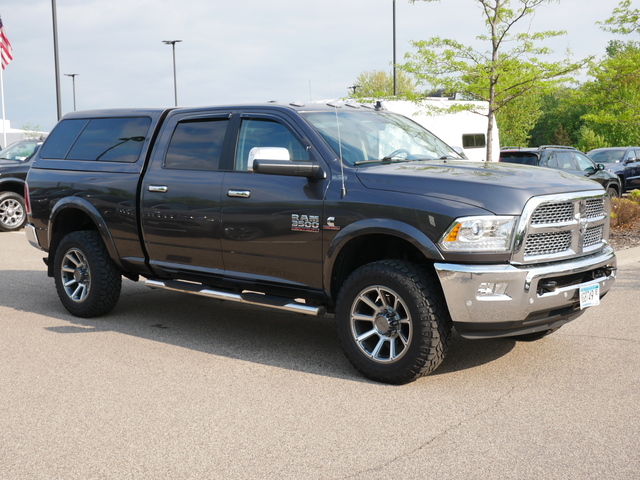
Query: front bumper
[{"x": 487, "y": 301}]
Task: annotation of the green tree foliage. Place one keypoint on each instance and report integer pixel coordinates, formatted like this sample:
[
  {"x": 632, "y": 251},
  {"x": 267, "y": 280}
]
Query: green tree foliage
[
  {"x": 624, "y": 19},
  {"x": 560, "y": 112},
  {"x": 379, "y": 84},
  {"x": 496, "y": 75},
  {"x": 612, "y": 96},
  {"x": 517, "y": 118}
]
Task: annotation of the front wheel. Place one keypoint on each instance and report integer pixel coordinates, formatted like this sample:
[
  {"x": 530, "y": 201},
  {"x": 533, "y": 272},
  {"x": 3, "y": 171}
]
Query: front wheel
[
  {"x": 392, "y": 321},
  {"x": 12, "y": 212},
  {"x": 88, "y": 282}
]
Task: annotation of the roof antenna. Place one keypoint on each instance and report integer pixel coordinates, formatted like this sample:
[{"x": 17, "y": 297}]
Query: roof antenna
[{"x": 344, "y": 188}]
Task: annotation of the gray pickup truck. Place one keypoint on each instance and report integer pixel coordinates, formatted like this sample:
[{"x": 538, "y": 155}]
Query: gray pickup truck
[{"x": 318, "y": 209}]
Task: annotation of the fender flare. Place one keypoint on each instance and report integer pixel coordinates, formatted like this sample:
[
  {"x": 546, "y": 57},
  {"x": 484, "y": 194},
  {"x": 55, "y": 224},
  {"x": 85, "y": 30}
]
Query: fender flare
[
  {"x": 79, "y": 203},
  {"x": 16, "y": 180},
  {"x": 385, "y": 226}
]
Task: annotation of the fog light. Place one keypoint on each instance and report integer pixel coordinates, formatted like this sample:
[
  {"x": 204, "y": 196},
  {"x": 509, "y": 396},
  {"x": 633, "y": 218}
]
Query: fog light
[{"x": 492, "y": 291}]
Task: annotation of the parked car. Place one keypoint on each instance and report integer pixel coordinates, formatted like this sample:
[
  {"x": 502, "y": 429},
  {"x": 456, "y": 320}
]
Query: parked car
[
  {"x": 564, "y": 158},
  {"x": 15, "y": 161},
  {"x": 623, "y": 161}
]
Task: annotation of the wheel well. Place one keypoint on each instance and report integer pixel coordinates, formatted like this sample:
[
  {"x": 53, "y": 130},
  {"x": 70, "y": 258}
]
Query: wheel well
[
  {"x": 67, "y": 221},
  {"x": 14, "y": 187},
  {"x": 372, "y": 248}
]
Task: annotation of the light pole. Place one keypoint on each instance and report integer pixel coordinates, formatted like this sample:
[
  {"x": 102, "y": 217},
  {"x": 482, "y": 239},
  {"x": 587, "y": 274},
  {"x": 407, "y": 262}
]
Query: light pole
[
  {"x": 175, "y": 83},
  {"x": 394, "y": 48},
  {"x": 73, "y": 81},
  {"x": 55, "y": 56}
]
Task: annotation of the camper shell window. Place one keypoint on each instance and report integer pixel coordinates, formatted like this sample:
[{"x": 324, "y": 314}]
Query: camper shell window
[{"x": 473, "y": 140}]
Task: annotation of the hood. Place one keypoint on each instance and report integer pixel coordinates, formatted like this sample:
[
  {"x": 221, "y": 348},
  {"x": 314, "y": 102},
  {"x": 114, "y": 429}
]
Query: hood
[
  {"x": 501, "y": 188},
  {"x": 4, "y": 162}
]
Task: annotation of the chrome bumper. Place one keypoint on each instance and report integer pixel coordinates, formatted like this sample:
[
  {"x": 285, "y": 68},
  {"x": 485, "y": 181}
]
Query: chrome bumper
[{"x": 501, "y": 300}]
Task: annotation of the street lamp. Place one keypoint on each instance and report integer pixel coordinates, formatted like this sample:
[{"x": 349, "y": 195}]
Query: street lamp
[
  {"x": 175, "y": 84},
  {"x": 55, "y": 56},
  {"x": 73, "y": 80},
  {"x": 394, "y": 48}
]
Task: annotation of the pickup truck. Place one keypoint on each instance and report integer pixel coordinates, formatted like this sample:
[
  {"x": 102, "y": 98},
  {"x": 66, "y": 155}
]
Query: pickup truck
[
  {"x": 322, "y": 208},
  {"x": 15, "y": 161}
]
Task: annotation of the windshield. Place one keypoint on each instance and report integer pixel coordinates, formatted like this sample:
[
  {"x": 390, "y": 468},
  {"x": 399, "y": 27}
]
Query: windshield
[
  {"x": 377, "y": 137},
  {"x": 19, "y": 150},
  {"x": 607, "y": 156}
]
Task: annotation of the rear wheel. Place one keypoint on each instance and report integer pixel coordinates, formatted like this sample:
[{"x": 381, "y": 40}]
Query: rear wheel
[
  {"x": 392, "y": 321},
  {"x": 87, "y": 280},
  {"x": 13, "y": 214}
]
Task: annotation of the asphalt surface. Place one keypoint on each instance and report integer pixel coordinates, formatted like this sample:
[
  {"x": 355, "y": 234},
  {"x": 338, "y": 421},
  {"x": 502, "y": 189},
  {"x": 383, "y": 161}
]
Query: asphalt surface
[{"x": 170, "y": 386}]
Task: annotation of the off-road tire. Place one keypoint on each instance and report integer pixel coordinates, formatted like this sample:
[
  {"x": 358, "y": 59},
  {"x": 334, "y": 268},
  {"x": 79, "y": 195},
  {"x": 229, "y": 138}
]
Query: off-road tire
[
  {"x": 13, "y": 213},
  {"x": 87, "y": 280},
  {"x": 413, "y": 317}
]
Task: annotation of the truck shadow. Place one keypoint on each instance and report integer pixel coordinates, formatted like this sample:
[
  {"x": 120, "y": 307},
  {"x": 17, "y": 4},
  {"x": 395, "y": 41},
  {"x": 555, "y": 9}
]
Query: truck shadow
[{"x": 227, "y": 329}]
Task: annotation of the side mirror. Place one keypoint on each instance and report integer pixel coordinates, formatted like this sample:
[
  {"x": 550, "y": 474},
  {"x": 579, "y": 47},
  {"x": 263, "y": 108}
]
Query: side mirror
[
  {"x": 289, "y": 168},
  {"x": 266, "y": 153}
]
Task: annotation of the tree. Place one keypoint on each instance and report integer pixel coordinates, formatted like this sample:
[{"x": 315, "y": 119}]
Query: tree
[
  {"x": 496, "y": 75},
  {"x": 613, "y": 96},
  {"x": 623, "y": 20},
  {"x": 379, "y": 84}
]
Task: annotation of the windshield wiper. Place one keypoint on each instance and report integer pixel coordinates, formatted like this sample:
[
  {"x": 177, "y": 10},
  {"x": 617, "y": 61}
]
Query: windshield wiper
[{"x": 383, "y": 161}]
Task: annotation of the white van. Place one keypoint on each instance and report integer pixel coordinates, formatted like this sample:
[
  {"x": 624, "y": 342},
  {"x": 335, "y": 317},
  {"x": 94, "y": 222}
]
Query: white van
[{"x": 466, "y": 129}]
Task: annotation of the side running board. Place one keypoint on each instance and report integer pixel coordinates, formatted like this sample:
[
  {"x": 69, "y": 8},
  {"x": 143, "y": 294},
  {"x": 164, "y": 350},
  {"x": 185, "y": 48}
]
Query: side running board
[{"x": 245, "y": 297}]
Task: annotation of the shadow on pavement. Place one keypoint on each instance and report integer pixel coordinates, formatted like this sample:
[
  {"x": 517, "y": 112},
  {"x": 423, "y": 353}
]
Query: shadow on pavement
[{"x": 252, "y": 334}]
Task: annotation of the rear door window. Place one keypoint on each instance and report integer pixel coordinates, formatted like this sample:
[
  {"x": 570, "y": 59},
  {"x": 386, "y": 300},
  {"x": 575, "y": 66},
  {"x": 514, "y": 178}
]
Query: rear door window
[{"x": 197, "y": 144}]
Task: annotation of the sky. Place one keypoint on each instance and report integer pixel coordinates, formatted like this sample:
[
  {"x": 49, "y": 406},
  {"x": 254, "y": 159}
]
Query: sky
[{"x": 237, "y": 51}]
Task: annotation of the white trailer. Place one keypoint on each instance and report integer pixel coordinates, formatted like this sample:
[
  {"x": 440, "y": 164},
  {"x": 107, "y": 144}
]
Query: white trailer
[{"x": 462, "y": 129}]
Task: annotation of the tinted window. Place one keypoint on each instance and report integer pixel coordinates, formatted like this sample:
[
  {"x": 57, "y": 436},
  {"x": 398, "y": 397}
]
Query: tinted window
[
  {"x": 266, "y": 133},
  {"x": 111, "y": 140},
  {"x": 607, "y": 156},
  {"x": 522, "y": 158},
  {"x": 197, "y": 145},
  {"x": 63, "y": 136},
  {"x": 476, "y": 140}
]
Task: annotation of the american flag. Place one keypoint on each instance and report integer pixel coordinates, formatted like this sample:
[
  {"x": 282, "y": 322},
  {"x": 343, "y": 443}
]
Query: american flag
[{"x": 5, "y": 47}]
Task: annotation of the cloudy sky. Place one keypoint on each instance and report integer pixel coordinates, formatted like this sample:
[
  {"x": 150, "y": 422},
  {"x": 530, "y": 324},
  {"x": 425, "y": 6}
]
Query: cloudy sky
[{"x": 235, "y": 51}]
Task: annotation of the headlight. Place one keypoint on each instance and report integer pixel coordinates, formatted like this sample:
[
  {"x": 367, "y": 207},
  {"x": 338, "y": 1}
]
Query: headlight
[{"x": 479, "y": 234}]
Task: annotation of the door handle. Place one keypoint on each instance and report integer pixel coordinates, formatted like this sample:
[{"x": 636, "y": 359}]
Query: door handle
[
  {"x": 239, "y": 193},
  {"x": 158, "y": 188}
]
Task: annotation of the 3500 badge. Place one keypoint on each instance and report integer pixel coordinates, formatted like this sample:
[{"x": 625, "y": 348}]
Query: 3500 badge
[{"x": 305, "y": 223}]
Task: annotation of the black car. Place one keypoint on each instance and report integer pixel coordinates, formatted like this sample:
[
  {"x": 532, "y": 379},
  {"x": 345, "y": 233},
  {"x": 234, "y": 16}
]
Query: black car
[
  {"x": 623, "y": 161},
  {"x": 564, "y": 158},
  {"x": 15, "y": 161}
]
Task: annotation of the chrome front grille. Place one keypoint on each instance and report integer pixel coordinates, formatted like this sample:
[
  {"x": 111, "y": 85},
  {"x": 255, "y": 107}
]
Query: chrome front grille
[
  {"x": 547, "y": 243},
  {"x": 561, "y": 226},
  {"x": 553, "y": 213},
  {"x": 595, "y": 207}
]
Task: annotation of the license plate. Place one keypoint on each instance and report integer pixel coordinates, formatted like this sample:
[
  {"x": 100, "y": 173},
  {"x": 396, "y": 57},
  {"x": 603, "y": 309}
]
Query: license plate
[{"x": 589, "y": 296}]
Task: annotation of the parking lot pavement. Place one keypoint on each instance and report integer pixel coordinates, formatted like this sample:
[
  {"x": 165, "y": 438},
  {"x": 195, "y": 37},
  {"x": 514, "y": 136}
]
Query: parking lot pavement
[{"x": 176, "y": 387}]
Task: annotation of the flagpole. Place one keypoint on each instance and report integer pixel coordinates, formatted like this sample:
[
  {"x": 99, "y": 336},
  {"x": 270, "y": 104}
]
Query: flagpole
[{"x": 4, "y": 121}]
